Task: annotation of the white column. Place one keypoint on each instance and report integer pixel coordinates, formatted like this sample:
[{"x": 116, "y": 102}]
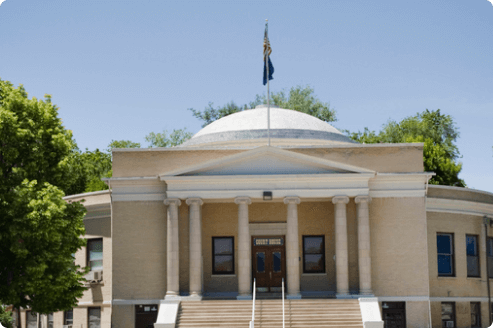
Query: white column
[
  {"x": 342, "y": 273},
  {"x": 244, "y": 250},
  {"x": 364, "y": 255},
  {"x": 292, "y": 248},
  {"x": 173, "y": 270},
  {"x": 195, "y": 213}
]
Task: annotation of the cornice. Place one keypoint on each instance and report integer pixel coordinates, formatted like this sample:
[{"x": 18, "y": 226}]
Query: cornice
[{"x": 458, "y": 207}]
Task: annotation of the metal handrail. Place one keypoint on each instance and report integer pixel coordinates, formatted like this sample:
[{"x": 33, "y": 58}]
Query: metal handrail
[
  {"x": 252, "y": 323},
  {"x": 282, "y": 302}
]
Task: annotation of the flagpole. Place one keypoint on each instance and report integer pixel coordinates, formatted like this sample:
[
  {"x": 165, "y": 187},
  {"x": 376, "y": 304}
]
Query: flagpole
[{"x": 268, "y": 90}]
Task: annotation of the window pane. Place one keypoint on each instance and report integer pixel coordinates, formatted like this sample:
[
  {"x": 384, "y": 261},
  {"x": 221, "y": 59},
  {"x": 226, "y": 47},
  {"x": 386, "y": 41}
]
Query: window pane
[
  {"x": 32, "y": 319},
  {"x": 476, "y": 314},
  {"x": 447, "y": 311},
  {"x": 50, "y": 320},
  {"x": 260, "y": 262},
  {"x": 443, "y": 244},
  {"x": 444, "y": 264},
  {"x": 471, "y": 245},
  {"x": 94, "y": 318},
  {"x": 473, "y": 266},
  {"x": 490, "y": 266},
  {"x": 96, "y": 265},
  {"x": 313, "y": 245},
  {"x": 314, "y": 262},
  {"x": 69, "y": 317},
  {"x": 223, "y": 246},
  {"x": 223, "y": 263},
  {"x": 276, "y": 258}
]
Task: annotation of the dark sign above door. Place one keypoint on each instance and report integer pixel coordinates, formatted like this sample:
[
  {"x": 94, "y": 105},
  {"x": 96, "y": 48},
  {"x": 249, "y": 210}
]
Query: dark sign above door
[{"x": 268, "y": 241}]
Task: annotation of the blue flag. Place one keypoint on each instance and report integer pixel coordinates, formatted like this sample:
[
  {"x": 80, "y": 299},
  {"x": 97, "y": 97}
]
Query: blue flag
[{"x": 267, "y": 52}]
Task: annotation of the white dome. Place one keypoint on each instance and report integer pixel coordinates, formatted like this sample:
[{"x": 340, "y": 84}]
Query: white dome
[{"x": 285, "y": 124}]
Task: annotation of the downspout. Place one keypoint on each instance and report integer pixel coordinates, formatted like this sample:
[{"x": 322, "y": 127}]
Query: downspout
[{"x": 486, "y": 221}]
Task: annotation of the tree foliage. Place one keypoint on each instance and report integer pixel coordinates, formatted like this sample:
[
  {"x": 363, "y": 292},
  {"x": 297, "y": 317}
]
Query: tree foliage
[
  {"x": 39, "y": 231},
  {"x": 6, "y": 319},
  {"x": 437, "y": 131},
  {"x": 177, "y": 137},
  {"x": 299, "y": 98}
]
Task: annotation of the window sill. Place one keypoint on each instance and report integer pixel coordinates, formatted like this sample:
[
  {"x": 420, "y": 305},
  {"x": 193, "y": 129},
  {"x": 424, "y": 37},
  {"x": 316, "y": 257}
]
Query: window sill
[
  {"x": 473, "y": 278},
  {"x": 223, "y": 275},
  {"x": 446, "y": 277},
  {"x": 314, "y": 274}
]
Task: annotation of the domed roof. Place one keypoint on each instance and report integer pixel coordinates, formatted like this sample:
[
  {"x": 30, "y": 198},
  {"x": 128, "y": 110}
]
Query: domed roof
[{"x": 249, "y": 127}]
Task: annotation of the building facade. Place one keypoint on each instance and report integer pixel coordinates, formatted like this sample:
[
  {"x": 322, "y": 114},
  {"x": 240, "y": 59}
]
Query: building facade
[{"x": 330, "y": 217}]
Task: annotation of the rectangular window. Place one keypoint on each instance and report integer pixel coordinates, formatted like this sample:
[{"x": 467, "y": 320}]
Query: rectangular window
[
  {"x": 448, "y": 315},
  {"x": 223, "y": 259},
  {"x": 475, "y": 314},
  {"x": 31, "y": 319},
  {"x": 445, "y": 252},
  {"x": 313, "y": 254},
  {"x": 95, "y": 254},
  {"x": 94, "y": 317},
  {"x": 68, "y": 317},
  {"x": 472, "y": 256},
  {"x": 490, "y": 256},
  {"x": 50, "y": 320}
]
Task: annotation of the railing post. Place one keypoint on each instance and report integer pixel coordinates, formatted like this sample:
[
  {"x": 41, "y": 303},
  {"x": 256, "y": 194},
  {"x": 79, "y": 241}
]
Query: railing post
[
  {"x": 252, "y": 323},
  {"x": 282, "y": 302}
]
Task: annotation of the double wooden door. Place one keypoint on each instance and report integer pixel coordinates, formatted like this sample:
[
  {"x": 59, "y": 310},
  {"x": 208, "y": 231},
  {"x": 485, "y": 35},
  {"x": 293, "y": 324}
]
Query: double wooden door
[{"x": 269, "y": 263}]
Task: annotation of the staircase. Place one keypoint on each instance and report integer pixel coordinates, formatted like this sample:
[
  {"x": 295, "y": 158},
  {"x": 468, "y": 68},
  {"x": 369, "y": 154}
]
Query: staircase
[{"x": 309, "y": 313}]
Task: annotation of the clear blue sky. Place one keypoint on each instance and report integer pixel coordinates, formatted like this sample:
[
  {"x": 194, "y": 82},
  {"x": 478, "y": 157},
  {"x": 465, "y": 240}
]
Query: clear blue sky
[{"x": 122, "y": 69}]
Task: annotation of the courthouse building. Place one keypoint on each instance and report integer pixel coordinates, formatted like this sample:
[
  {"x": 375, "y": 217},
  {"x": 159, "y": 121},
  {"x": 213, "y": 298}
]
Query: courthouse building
[{"x": 335, "y": 219}]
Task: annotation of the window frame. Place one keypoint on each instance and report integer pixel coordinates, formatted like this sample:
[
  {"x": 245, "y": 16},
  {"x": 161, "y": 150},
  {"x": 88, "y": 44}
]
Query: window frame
[
  {"x": 214, "y": 272},
  {"x": 88, "y": 261},
  {"x": 28, "y": 314},
  {"x": 88, "y": 317},
  {"x": 454, "y": 314},
  {"x": 323, "y": 254},
  {"x": 65, "y": 323},
  {"x": 476, "y": 256},
  {"x": 452, "y": 254},
  {"x": 478, "y": 315},
  {"x": 48, "y": 321}
]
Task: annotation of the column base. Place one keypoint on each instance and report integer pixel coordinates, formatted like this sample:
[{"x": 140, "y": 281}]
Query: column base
[
  {"x": 343, "y": 295},
  {"x": 366, "y": 293},
  {"x": 244, "y": 297},
  {"x": 193, "y": 297},
  {"x": 293, "y": 296},
  {"x": 172, "y": 296}
]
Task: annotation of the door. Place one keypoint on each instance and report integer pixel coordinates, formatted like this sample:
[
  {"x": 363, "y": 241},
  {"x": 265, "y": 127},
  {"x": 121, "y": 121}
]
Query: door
[
  {"x": 145, "y": 315},
  {"x": 269, "y": 263},
  {"x": 394, "y": 314}
]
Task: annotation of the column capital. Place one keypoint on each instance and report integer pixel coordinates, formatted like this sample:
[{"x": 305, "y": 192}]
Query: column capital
[
  {"x": 292, "y": 200},
  {"x": 193, "y": 200},
  {"x": 362, "y": 199},
  {"x": 243, "y": 200},
  {"x": 174, "y": 201},
  {"x": 340, "y": 199}
]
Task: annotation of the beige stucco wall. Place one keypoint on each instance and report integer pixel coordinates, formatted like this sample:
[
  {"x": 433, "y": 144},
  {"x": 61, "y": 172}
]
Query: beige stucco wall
[
  {"x": 459, "y": 225},
  {"x": 139, "y": 250},
  {"x": 386, "y": 158},
  {"x": 219, "y": 220},
  {"x": 417, "y": 314},
  {"x": 399, "y": 246},
  {"x": 466, "y": 194}
]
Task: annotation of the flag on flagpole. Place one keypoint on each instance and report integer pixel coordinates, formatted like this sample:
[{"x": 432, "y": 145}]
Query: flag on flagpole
[{"x": 267, "y": 52}]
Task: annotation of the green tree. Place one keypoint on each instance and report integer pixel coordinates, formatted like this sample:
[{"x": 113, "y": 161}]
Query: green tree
[
  {"x": 6, "y": 319},
  {"x": 299, "y": 98},
  {"x": 437, "y": 131},
  {"x": 39, "y": 231},
  {"x": 177, "y": 137}
]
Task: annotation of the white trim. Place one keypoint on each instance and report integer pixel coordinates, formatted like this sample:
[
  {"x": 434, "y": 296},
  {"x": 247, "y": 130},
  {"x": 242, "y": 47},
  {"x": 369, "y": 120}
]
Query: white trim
[
  {"x": 257, "y": 193},
  {"x": 262, "y": 151},
  {"x": 93, "y": 193},
  {"x": 458, "y": 206},
  {"x": 136, "y": 301},
  {"x": 90, "y": 304},
  {"x": 226, "y": 147},
  {"x": 403, "y": 298},
  {"x": 139, "y": 197}
]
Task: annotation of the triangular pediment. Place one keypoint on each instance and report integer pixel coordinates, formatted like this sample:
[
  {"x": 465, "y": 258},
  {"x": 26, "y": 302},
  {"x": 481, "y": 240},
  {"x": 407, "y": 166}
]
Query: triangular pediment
[{"x": 267, "y": 161}]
